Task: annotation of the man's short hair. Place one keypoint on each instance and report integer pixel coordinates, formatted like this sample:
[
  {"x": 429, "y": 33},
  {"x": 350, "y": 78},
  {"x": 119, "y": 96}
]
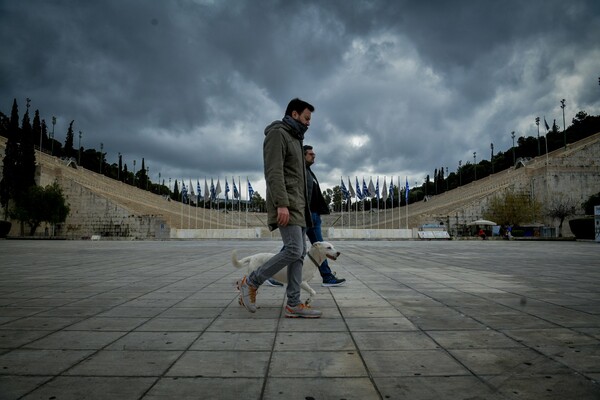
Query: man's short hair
[
  {"x": 299, "y": 106},
  {"x": 307, "y": 147}
]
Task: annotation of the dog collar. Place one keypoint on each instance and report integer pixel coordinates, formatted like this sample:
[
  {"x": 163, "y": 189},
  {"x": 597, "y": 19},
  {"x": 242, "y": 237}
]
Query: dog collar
[{"x": 313, "y": 260}]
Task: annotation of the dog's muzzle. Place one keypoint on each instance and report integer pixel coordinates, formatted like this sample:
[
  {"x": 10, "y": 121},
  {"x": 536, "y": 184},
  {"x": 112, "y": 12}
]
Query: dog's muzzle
[{"x": 335, "y": 257}]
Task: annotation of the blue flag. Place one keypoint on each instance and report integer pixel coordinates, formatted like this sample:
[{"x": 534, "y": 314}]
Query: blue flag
[
  {"x": 236, "y": 194},
  {"x": 226, "y": 190},
  {"x": 377, "y": 189},
  {"x": 345, "y": 191},
  {"x": 250, "y": 190},
  {"x": 392, "y": 189},
  {"x": 358, "y": 192},
  {"x": 365, "y": 191},
  {"x": 213, "y": 193},
  {"x": 406, "y": 190},
  {"x": 183, "y": 192},
  {"x": 198, "y": 190}
]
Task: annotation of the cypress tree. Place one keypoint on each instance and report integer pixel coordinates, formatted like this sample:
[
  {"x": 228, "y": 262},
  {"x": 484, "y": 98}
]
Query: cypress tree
[
  {"x": 36, "y": 128},
  {"x": 68, "y": 150},
  {"x": 44, "y": 134},
  {"x": 11, "y": 154},
  {"x": 26, "y": 160},
  {"x": 175, "y": 194}
]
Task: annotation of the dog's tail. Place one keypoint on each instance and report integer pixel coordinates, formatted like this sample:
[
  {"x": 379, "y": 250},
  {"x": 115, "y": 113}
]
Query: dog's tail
[{"x": 234, "y": 260}]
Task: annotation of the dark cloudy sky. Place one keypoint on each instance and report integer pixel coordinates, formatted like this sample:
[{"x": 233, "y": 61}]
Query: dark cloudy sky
[{"x": 400, "y": 87}]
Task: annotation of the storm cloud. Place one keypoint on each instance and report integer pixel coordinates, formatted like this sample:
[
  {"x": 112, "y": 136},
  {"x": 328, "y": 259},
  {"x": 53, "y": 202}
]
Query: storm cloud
[{"x": 400, "y": 87}]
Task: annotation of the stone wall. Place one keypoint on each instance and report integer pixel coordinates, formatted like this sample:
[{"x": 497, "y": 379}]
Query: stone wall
[
  {"x": 93, "y": 214},
  {"x": 108, "y": 208}
]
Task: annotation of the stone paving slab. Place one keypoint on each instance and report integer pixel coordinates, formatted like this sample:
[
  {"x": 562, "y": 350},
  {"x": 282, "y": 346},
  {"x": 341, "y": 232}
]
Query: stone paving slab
[{"x": 416, "y": 320}]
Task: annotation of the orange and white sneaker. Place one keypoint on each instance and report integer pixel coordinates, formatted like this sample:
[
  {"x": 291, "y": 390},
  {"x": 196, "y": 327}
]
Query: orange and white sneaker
[
  {"x": 247, "y": 295},
  {"x": 301, "y": 311}
]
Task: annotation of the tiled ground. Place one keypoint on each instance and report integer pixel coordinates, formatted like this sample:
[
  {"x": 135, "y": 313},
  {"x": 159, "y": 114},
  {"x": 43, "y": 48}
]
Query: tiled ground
[{"x": 417, "y": 320}]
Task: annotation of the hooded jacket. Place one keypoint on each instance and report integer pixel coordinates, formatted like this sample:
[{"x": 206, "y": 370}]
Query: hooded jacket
[
  {"x": 317, "y": 201},
  {"x": 285, "y": 175}
]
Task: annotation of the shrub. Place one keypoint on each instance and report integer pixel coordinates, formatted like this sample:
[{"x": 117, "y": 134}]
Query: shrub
[{"x": 582, "y": 228}]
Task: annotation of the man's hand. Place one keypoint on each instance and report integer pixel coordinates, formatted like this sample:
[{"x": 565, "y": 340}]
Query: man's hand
[{"x": 283, "y": 216}]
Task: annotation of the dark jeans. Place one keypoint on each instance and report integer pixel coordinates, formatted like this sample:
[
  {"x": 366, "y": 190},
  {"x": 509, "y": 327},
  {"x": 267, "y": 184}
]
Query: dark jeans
[{"x": 314, "y": 235}]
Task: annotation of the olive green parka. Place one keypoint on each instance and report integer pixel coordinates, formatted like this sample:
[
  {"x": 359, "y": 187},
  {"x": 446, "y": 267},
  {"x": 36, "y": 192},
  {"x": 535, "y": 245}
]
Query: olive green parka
[{"x": 285, "y": 175}]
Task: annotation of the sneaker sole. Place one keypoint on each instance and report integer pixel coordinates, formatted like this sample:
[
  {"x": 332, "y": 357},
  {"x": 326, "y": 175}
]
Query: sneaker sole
[
  {"x": 302, "y": 316},
  {"x": 333, "y": 284},
  {"x": 270, "y": 284}
]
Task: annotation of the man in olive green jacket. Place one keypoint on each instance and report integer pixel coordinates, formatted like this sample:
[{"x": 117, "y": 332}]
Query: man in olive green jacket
[{"x": 287, "y": 208}]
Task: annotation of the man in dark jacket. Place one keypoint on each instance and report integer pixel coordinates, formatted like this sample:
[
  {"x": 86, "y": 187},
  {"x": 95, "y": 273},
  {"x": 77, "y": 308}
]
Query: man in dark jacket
[
  {"x": 318, "y": 207},
  {"x": 287, "y": 208}
]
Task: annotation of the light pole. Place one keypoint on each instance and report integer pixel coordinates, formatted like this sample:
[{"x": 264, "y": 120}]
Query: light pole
[
  {"x": 512, "y": 135},
  {"x": 475, "y": 164},
  {"x": 52, "y": 137},
  {"x": 79, "y": 161},
  {"x": 492, "y": 159},
  {"x": 459, "y": 173},
  {"x": 101, "y": 156},
  {"x": 562, "y": 105},
  {"x": 537, "y": 122}
]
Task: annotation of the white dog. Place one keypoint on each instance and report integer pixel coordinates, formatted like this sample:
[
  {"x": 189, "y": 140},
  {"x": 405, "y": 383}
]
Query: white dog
[{"x": 315, "y": 256}]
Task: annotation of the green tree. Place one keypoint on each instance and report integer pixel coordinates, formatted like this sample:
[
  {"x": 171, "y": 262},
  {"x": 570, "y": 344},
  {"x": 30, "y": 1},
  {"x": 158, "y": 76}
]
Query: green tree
[
  {"x": 69, "y": 151},
  {"x": 334, "y": 196},
  {"x": 36, "y": 128},
  {"x": 41, "y": 205},
  {"x": 258, "y": 203},
  {"x": 44, "y": 135},
  {"x": 26, "y": 157},
  {"x": 175, "y": 194},
  {"x": 588, "y": 205},
  {"x": 512, "y": 209},
  {"x": 142, "y": 176},
  {"x": 561, "y": 207},
  {"x": 9, "y": 163}
]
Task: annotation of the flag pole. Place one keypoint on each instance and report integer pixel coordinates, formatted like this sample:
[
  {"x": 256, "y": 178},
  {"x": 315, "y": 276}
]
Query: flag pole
[
  {"x": 355, "y": 205},
  {"x": 181, "y": 213},
  {"x": 406, "y": 194},
  {"x": 392, "y": 199},
  {"x": 399, "y": 204},
  {"x": 342, "y": 202},
  {"x": 350, "y": 206},
  {"x": 378, "y": 197},
  {"x": 384, "y": 204}
]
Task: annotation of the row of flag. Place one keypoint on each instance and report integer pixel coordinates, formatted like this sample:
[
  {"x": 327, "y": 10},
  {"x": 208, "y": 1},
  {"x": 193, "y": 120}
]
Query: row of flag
[
  {"x": 370, "y": 191},
  {"x": 211, "y": 194}
]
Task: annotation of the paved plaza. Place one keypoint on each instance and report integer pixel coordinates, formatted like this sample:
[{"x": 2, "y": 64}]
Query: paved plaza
[{"x": 416, "y": 320}]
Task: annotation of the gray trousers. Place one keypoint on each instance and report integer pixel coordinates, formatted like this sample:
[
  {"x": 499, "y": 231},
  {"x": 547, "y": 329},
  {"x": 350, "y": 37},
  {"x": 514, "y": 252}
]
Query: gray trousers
[{"x": 292, "y": 256}]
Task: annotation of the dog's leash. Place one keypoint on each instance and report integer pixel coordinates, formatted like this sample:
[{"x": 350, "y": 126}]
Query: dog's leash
[{"x": 313, "y": 260}]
